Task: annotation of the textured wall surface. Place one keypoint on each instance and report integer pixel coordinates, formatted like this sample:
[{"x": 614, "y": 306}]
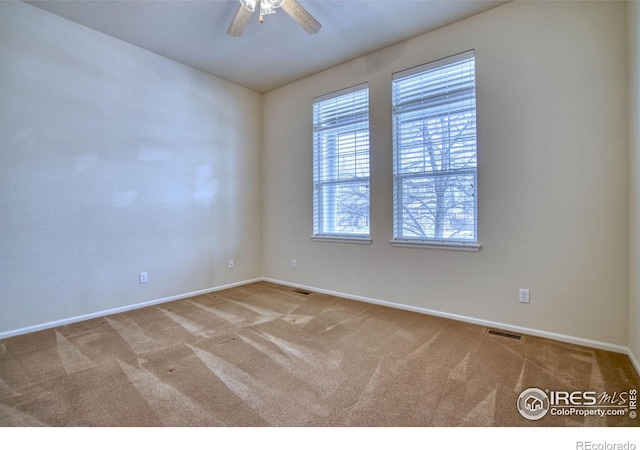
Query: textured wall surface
[
  {"x": 553, "y": 176},
  {"x": 633, "y": 21},
  {"x": 115, "y": 161}
]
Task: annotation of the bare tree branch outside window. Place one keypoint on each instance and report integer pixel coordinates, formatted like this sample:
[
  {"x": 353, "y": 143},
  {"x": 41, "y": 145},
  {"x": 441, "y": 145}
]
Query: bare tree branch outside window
[{"x": 436, "y": 157}]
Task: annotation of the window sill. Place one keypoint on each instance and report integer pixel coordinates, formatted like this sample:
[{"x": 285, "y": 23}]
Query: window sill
[
  {"x": 440, "y": 245},
  {"x": 344, "y": 240}
]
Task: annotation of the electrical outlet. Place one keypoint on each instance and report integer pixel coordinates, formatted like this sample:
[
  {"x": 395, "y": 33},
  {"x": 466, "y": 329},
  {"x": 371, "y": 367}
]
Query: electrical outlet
[
  {"x": 231, "y": 264},
  {"x": 143, "y": 277},
  {"x": 524, "y": 295},
  {"x": 294, "y": 264}
]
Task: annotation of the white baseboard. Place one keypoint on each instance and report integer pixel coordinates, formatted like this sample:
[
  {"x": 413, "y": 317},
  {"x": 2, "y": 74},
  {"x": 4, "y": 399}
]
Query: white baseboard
[
  {"x": 634, "y": 360},
  {"x": 108, "y": 312},
  {"x": 487, "y": 323}
]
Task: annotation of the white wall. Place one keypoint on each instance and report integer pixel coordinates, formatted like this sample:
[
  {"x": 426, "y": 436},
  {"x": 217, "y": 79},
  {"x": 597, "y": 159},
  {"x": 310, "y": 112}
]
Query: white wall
[
  {"x": 553, "y": 176},
  {"x": 114, "y": 161},
  {"x": 633, "y": 22}
]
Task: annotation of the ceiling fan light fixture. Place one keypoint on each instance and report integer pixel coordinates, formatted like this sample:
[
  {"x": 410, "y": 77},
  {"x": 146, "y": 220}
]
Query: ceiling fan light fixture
[
  {"x": 249, "y": 4},
  {"x": 266, "y": 7},
  {"x": 291, "y": 7},
  {"x": 269, "y": 6}
]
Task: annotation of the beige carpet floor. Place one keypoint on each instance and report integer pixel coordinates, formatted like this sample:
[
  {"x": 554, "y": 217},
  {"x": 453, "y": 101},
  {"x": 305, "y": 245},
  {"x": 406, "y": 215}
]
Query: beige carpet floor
[{"x": 266, "y": 355}]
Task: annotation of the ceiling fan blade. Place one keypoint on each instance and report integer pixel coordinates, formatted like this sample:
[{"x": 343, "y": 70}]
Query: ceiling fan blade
[
  {"x": 239, "y": 22},
  {"x": 300, "y": 15}
]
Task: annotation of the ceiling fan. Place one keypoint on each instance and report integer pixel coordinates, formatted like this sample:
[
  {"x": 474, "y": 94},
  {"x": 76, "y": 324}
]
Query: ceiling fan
[{"x": 291, "y": 7}]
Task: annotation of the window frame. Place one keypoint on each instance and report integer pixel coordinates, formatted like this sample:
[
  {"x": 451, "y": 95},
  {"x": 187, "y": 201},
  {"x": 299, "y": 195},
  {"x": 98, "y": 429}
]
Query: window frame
[
  {"x": 399, "y": 239},
  {"x": 322, "y": 165}
]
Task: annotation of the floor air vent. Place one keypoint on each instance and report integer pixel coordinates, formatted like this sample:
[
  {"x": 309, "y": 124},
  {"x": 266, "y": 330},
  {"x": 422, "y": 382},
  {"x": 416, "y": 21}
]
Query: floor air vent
[
  {"x": 300, "y": 291},
  {"x": 517, "y": 337}
]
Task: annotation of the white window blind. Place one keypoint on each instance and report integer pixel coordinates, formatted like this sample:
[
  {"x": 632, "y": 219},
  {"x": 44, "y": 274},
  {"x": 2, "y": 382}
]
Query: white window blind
[
  {"x": 341, "y": 164},
  {"x": 435, "y": 156}
]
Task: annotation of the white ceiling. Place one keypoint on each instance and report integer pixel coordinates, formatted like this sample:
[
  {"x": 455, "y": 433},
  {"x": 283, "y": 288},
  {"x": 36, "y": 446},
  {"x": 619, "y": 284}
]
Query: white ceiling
[{"x": 271, "y": 54}]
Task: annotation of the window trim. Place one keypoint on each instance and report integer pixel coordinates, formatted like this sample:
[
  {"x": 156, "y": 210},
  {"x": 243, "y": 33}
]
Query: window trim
[
  {"x": 418, "y": 242},
  {"x": 357, "y": 238},
  {"x": 340, "y": 239},
  {"x": 465, "y": 246}
]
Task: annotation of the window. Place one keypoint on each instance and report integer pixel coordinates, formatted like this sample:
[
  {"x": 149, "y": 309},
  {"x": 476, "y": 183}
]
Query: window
[
  {"x": 341, "y": 165},
  {"x": 434, "y": 152}
]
